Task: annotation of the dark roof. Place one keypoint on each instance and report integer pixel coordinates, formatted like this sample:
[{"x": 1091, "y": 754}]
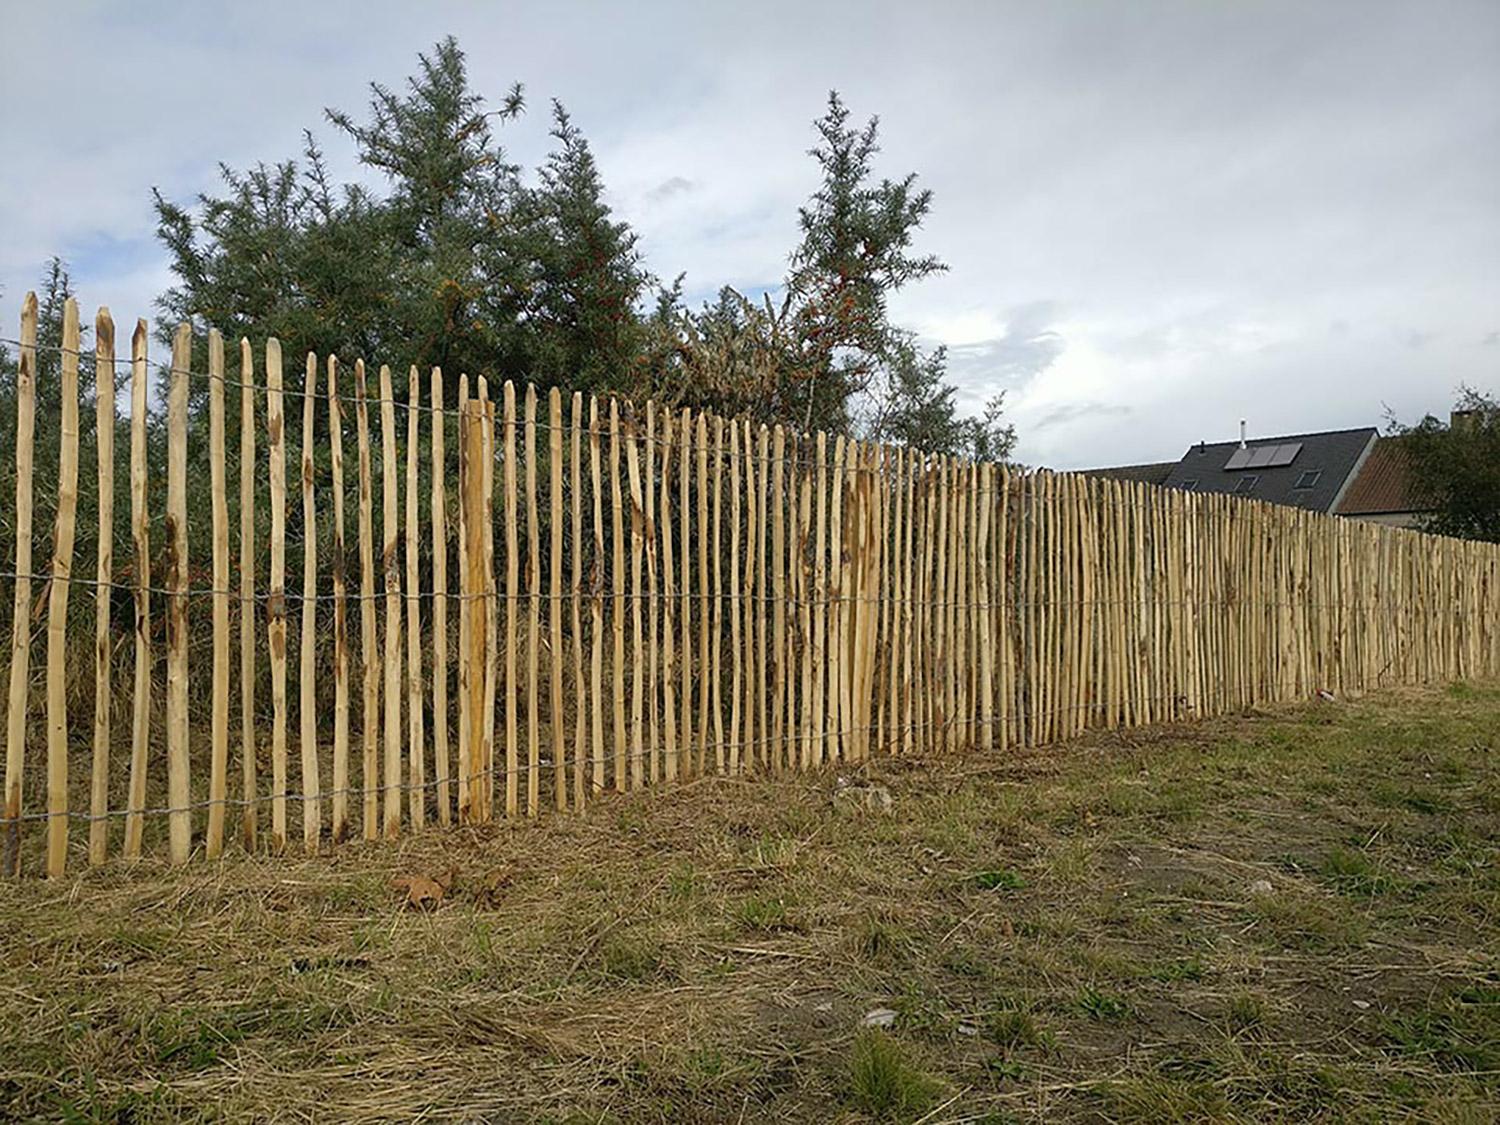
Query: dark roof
[
  {"x": 1333, "y": 454},
  {"x": 1383, "y": 484},
  {"x": 1154, "y": 473}
]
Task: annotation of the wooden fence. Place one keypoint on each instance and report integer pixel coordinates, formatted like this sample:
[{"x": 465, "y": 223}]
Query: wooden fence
[{"x": 653, "y": 595}]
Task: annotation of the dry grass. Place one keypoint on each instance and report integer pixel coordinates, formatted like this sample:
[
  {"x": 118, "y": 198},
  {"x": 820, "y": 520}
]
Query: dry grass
[{"x": 1083, "y": 932}]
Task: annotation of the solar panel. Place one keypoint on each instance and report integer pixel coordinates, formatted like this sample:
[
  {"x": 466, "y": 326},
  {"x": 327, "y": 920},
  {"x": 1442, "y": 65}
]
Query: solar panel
[
  {"x": 1264, "y": 456},
  {"x": 1286, "y": 454}
]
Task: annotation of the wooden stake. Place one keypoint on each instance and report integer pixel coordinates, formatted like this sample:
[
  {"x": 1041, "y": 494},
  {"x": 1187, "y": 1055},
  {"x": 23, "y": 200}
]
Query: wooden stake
[
  {"x": 638, "y": 531},
  {"x": 248, "y": 738},
  {"x": 735, "y": 596},
  {"x": 777, "y": 745},
  {"x": 706, "y": 593},
  {"x": 57, "y": 606},
  {"x": 580, "y": 688},
  {"x": 416, "y": 798},
  {"x": 219, "y": 722},
  {"x": 390, "y": 527},
  {"x": 820, "y": 602},
  {"x": 534, "y": 626},
  {"x": 653, "y": 732},
  {"x": 716, "y": 669},
  {"x": 369, "y": 715},
  {"x": 179, "y": 788},
  {"x": 486, "y": 522},
  {"x": 276, "y": 607},
  {"x": 104, "y": 437},
  {"x": 439, "y": 511},
  {"x": 512, "y": 606},
  {"x": 20, "y": 644},
  {"x": 617, "y": 592},
  {"x": 762, "y": 585},
  {"x": 596, "y": 600},
  {"x": 467, "y": 724},
  {"x": 670, "y": 748},
  {"x": 555, "y": 503},
  {"x": 685, "y": 727},
  {"x": 307, "y": 648},
  {"x": 340, "y": 611},
  {"x": 140, "y": 720}
]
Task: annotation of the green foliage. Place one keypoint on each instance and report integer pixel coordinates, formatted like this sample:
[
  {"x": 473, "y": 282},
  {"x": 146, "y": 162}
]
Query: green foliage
[
  {"x": 884, "y": 1083},
  {"x": 460, "y": 264},
  {"x": 1455, "y": 466}
]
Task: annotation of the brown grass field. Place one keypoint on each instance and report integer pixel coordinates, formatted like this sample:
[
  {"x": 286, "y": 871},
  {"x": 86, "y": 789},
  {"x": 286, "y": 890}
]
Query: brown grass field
[{"x": 1288, "y": 915}]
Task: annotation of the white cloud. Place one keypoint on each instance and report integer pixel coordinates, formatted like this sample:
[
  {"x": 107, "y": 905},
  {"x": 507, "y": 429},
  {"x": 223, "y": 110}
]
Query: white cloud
[{"x": 1159, "y": 218}]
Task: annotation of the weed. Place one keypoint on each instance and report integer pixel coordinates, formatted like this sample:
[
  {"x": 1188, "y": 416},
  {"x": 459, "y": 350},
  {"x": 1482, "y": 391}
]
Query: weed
[
  {"x": 1103, "y": 1006},
  {"x": 883, "y": 1082},
  {"x": 1001, "y": 880}
]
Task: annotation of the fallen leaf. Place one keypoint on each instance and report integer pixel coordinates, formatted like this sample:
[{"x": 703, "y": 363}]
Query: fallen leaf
[{"x": 423, "y": 892}]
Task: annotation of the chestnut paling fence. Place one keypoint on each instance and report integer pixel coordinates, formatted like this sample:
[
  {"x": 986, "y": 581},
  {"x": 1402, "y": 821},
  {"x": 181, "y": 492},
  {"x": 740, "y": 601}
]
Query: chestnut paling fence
[{"x": 507, "y": 598}]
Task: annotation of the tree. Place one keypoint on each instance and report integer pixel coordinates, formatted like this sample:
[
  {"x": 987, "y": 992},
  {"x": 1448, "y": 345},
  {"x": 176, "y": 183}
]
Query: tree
[
  {"x": 827, "y": 355},
  {"x": 1455, "y": 466},
  {"x": 459, "y": 264}
]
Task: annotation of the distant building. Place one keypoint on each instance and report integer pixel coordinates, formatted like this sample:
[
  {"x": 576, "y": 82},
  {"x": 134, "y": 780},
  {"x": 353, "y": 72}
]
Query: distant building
[
  {"x": 1355, "y": 473},
  {"x": 1383, "y": 491},
  {"x": 1310, "y": 471}
]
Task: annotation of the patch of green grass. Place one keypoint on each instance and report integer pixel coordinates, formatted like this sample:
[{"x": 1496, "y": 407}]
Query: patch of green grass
[
  {"x": 630, "y": 957},
  {"x": 1184, "y": 969},
  {"x": 1103, "y": 1006},
  {"x": 1458, "y": 1032},
  {"x": 1353, "y": 873},
  {"x": 766, "y": 914},
  {"x": 999, "y": 880},
  {"x": 884, "y": 1082},
  {"x": 883, "y": 942},
  {"x": 1245, "y": 1013},
  {"x": 1011, "y": 1028}
]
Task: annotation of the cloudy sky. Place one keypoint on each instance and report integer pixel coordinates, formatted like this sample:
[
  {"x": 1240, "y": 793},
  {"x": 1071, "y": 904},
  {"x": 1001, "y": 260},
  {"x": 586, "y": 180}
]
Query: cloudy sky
[{"x": 1160, "y": 217}]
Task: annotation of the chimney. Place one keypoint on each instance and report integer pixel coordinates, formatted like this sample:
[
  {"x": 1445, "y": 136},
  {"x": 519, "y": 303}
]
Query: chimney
[{"x": 1242, "y": 433}]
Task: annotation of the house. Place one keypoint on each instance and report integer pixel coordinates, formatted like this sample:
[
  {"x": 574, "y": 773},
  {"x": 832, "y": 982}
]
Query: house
[
  {"x": 1383, "y": 491},
  {"x": 1312, "y": 471},
  {"x": 1355, "y": 473}
]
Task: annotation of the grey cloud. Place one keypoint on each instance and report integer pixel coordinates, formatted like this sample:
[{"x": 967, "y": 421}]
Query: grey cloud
[
  {"x": 676, "y": 185},
  {"x": 1076, "y": 412}
]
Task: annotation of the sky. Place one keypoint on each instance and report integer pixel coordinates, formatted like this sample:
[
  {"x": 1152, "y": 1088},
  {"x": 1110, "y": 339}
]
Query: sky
[{"x": 1159, "y": 217}]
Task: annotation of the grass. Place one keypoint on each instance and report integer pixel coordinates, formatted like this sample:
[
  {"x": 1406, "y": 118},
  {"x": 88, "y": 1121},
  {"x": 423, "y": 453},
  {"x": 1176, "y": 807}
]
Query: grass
[{"x": 1288, "y": 915}]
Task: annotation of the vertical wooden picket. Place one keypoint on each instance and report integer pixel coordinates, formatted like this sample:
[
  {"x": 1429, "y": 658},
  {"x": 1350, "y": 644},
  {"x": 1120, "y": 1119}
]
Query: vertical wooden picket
[
  {"x": 390, "y": 529},
  {"x": 219, "y": 721},
  {"x": 340, "y": 795},
  {"x": 580, "y": 688},
  {"x": 776, "y": 746},
  {"x": 512, "y": 605},
  {"x": 60, "y": 586},
  {"x": 734, "y": 596},
  {"x": 705, "y": 594},
  {"x": 416, "y": 749},
  {"x": 635, "y": 597},
  {"x": 179, "y": 788},
  {"x": 596, "y": 602},
  {"x": 466, "y": 548},
  {"x": 307, "y": 643},
  {"x": 249, "y": 740},
  {"x": 617, "y": 592},
  {"x": 369, "y": 651},
  {"x": 684, "y": 749},
  {"x": 555, "y": 508},
  {"x": 276, "y": 607},
  {"x": 439, "y": 513},
  {"x": 653, "y": 731},
  {"x": 534, "y": 625},
  {"x": 20, "y": 645},
  {"x": 669, "y": 746},
  {"x": 140, "y": 523},
  {"x": 104, "y": 443}
]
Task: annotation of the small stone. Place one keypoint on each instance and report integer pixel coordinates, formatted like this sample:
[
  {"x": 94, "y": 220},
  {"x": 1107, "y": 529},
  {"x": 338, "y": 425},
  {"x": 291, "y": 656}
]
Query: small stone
[
  {"x": 968, "y": 1029},
  {"x": 864, "y": 798},
  {"x": 1261, "y": 887},
  {"x": 1362, "y": 1005},
  {"x": 879, "y": 1017}
]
